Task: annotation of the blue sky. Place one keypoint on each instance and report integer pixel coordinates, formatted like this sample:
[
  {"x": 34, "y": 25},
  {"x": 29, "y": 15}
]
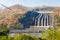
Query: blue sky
[{"x": 31, "y": 3}]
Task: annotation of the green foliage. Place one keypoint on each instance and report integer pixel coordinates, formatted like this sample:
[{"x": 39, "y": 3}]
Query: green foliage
[
  {"x": 3, "y": 37},
  {"x": 51, "y": 34},
  {"x": 24, "y": 37},
  {"x": 19, "y": 25},
  {"x": 16, "y": 26},
  {"x": 19, "y": 37},
  {"x": 57, "y": 20},
  {"x": 3, "y": 30}
]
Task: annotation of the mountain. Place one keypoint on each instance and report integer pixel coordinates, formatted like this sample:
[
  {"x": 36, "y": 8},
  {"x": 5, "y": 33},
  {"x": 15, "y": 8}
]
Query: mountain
[
  {"x": 44, "y": 8},
  {"x": 7, "y": 15},
  {"x": 15, "y": 9}
]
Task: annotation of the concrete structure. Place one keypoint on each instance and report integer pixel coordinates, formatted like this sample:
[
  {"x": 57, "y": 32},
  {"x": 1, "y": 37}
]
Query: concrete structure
[
  {"x": 41, "y": 22},
  {"x": 44, "y": 19}
]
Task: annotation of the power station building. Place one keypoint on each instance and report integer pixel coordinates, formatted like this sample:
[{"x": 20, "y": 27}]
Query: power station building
[
  {"x": 45, "y": 18},
  {"x": 40, "y": 22}
]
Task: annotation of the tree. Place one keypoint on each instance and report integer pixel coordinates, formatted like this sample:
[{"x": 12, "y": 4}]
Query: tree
[{"x": 3, "y": 29}]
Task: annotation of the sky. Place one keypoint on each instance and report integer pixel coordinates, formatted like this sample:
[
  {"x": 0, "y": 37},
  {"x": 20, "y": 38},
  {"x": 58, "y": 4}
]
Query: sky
[{"x": 30, "y": 3}]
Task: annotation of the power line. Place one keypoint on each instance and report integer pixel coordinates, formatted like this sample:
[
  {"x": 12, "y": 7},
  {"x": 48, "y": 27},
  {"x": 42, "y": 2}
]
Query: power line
[{"x": 7, "y": 8}]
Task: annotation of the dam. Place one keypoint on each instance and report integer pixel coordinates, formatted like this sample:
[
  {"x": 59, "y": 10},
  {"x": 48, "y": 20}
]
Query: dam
[{"x": 42, "y": 22}]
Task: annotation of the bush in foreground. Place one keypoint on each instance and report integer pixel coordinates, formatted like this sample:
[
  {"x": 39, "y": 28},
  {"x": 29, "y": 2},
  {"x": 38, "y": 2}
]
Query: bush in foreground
[{"x": 19, "y": 37}]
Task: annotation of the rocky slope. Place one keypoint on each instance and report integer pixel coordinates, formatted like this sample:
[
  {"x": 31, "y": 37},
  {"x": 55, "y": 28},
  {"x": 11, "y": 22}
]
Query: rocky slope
[{"x": 7, "y": 15}]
